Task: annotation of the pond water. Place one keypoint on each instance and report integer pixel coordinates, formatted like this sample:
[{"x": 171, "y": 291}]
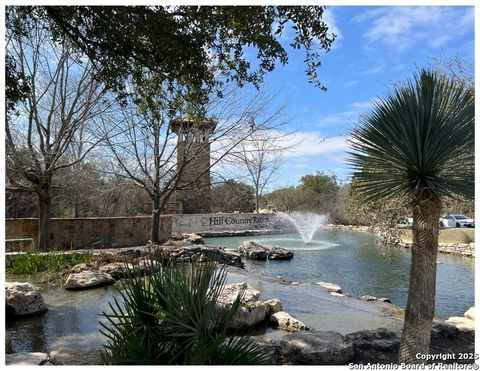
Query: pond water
[
  {"x": 72, "y": 320},
  {"x": 361, "y": 267},
  {"x": 350, "y": 259}
]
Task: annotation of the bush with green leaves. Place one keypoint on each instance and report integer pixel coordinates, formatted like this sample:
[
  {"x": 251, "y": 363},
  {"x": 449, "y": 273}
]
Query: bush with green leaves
[{"x": 173, "y": 316}]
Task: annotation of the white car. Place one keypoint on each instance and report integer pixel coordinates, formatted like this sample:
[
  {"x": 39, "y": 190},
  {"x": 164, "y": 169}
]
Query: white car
[{"x": 458, "y": 221}]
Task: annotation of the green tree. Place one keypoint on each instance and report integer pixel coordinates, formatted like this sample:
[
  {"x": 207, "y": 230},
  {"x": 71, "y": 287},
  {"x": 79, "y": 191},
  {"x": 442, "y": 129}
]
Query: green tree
[
  {"x": 418, "y": 143},
  {"x": 319, "y": 191},
  {"x": 181, "y": 44}
]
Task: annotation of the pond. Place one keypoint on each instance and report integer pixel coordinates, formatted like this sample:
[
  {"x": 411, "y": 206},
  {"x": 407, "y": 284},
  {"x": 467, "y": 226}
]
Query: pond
[
  {"x": 72, "y": 320},
  {"x": 350, "y": 259},
  {"x": 355, "y": 262}
]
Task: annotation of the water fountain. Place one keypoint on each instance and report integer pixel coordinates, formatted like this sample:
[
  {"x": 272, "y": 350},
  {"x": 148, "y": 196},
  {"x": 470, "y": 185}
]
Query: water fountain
[{"x": 305, "y": 223}]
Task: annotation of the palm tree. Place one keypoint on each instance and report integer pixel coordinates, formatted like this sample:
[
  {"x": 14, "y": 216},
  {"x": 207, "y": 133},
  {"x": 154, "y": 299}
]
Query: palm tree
[{"x": 418, "y": 143}]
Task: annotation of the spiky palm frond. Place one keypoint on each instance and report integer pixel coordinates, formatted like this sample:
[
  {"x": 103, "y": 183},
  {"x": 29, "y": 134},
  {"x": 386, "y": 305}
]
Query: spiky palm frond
[
  {"x": 421, "y": 136},
  {"x": 173, "y": 316}
]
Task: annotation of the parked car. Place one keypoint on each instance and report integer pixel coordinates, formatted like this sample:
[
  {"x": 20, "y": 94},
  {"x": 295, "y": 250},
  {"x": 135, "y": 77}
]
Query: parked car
[{"x": 457, "y": 220}]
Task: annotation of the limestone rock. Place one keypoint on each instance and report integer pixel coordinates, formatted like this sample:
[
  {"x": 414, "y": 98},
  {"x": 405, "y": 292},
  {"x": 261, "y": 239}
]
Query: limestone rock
[
  {"x": 23, "y": 299},
  {"x": 26, "y": 359},
  {"x": 331, "y": 287},
  {"x": 286, "y": 322},
  {"x": 444, "y": 330},
  {"x": 336, "y": 294},
  {"x": 470, "y": 313},
  {"x": 116, "y": 270},
  {"x": 77, "y": 357},
  {"x": 462, "y": 323},
  {"x": 192, "y": 238},
  {"x": 254, "y": 251},
  {"x": 278, "y": 253},
  {"x": 385, "y": 300},
  {"x": 315, "y": 348},
  {"x": 379, "y": 338},
  {"x": 374, "y": 346},
  {"x": 82, "y": 267},
  {"x": 273, "y": 306},
  {"x": 88, "y": 279},
  {"x": 368, "y": 298},
  {"x": 251, "y": 311}
]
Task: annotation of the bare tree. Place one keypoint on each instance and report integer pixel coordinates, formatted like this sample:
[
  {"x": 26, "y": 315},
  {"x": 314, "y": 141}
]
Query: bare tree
[
  {"x": 63, "y": 98},
  {"x": 257, "y": 159},
  {"x": 143, "y": 146}
]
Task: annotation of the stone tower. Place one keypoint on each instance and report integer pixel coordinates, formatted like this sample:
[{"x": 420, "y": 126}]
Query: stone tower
[{"x": 193, "y": 154}]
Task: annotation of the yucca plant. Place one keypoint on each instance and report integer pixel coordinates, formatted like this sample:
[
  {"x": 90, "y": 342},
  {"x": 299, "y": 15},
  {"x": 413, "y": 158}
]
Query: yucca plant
[
  {"x": 418, "y": 143},
  {"x": 172, "y": 316}
]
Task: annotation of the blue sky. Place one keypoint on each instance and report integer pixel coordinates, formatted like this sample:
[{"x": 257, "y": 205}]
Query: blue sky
[{"x": 375, "y": 45}]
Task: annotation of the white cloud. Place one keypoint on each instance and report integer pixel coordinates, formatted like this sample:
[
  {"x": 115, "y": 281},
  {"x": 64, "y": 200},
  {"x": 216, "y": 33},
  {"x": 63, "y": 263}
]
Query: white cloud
[
  {"x": 400, "y": 28},
  {"x": 347, "y": 117},
  {"x": 330, "y": 19},
  {"x": 351, "y": 83},
  {"x": 314, "y": 144}
]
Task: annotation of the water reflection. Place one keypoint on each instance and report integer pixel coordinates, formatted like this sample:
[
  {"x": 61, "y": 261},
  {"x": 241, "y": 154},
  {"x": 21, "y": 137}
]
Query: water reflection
[{"x": 361, "y": 267}]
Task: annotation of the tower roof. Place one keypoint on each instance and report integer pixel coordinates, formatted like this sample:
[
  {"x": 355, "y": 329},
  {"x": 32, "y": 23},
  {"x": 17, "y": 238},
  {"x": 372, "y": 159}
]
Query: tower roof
[{"x": 189, "y": 123}]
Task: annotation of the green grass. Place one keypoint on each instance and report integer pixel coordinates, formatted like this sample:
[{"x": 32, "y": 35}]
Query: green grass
[{"x": 45, "y": 262}]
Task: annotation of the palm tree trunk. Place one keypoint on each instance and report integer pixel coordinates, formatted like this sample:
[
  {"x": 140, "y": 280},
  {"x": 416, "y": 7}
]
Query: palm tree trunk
[{"x": 420, "y": 309}]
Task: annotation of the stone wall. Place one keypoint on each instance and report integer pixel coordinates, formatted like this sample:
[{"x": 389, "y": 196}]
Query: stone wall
[
  {"x": 135, "y": 231},
  {"x": 88, "y": 232}
]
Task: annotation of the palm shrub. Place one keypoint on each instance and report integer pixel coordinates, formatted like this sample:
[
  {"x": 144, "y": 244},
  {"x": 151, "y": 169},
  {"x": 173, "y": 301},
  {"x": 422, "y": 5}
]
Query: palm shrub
[
  {"x": 172, "y": 316},
  {"x": 418, "y": 143}
]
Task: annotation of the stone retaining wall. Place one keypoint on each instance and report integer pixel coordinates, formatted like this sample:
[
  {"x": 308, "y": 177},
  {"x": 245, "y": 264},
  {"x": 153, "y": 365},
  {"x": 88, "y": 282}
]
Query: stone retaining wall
[
  {"x": 135, "y": 231},
  {"x": 90, "y": 232}
]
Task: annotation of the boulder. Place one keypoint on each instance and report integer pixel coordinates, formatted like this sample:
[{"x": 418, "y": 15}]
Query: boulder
[
  {"x": 278, "y": 253},
  {"x": 444, "y": 330},
  {"x": 336, "y": 294},
  {"x": 116, "y": 270},
  {"x": 23, "y": 299},
  {"x": 315, "y": 348},
  {"x": 462, "y": 323},
  {"x": 331, "y": 287},
  {"x": 191, "y": 238},
  {"x": 374, "y": 346},
  {"x": 254, "y": 251},
  {"x": 286, "y": 322},
  {"x": 368, "y": 298},
  {"x": 88, "y": 279},
  {"x": 385, "y": 300},
  {"x": 470, "y": 313},
  {"x": 76, "y": 357},
  {"x": 273, "y": 306},
  {"x": 26, "y": 359},
  {"x": 82, "y": 267},
  {"x": 379, "y": 338},
  {"x": 251, "y": 311}
]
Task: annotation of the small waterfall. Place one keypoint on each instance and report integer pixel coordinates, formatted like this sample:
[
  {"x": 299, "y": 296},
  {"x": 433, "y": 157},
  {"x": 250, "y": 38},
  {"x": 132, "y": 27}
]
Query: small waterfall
[{"x": 305, "y": 223}]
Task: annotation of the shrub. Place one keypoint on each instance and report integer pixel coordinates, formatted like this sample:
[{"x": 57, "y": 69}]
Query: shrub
[{"x": 172, "y": 316}]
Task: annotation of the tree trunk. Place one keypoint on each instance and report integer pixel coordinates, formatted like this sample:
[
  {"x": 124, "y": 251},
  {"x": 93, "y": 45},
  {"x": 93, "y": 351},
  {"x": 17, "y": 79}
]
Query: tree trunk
[
  {"x": 420, "y": 308},
  {"x": 155, "y": 231},
  {"x": 45, "y": 206}
]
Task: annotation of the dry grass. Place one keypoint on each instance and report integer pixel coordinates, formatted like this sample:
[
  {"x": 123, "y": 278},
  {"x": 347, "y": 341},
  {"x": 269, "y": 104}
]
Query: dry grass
[{"x": 447, "y": 235}]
